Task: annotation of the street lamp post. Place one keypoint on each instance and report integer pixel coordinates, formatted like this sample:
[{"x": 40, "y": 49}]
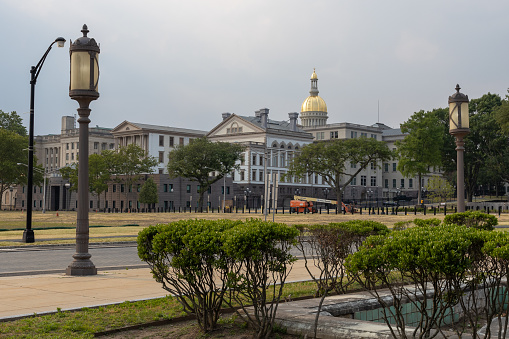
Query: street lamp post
[
  {"x": 28, "y": 233},
  {"x": 11, "y": 189},
  {"x": 67, "y": 201},
  {"x": 84, "y": 77},
  {"x": 459, "y": 127}
]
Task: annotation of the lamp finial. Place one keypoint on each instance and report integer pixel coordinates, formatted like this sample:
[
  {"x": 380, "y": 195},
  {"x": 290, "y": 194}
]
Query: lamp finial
[{"x": 85, "y": 30}]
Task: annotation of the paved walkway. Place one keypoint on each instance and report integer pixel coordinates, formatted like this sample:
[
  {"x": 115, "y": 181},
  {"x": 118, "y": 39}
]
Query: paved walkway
[{"x": 29, "y": 294}]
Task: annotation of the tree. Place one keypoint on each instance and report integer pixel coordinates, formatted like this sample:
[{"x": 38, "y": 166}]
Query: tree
[
  {"x": 128, "y": 163},
  {"x": 329, "y": 159},
  {"x": 148, "y": 192},
  {"x": 99, "y": 174},
  {"x": 12, "y": 122},
  {"x": 439, "y": 189},
  {"x": 201, "y": 158},
  {"x": 12, "y": 153},
  {"x": 422, "y": 146},
  {"x": 485, "y": 144}
]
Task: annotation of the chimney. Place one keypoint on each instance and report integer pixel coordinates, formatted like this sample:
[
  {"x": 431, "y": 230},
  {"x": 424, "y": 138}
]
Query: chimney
[
  {"x": 226, "y": 115},
  {"x": 293, "y": 120},
  {"x": 257, "y": 113},
  {"x": 264, "y": 116}
]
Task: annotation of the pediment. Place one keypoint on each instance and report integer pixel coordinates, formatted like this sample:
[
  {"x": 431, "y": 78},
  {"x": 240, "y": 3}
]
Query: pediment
[
  {"x": 126, "y": 126},
  {"x": 234, "y": 125}
]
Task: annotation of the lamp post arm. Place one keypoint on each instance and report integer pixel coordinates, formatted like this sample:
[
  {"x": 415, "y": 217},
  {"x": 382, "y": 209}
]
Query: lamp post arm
[{"x": 37, "y": 68}]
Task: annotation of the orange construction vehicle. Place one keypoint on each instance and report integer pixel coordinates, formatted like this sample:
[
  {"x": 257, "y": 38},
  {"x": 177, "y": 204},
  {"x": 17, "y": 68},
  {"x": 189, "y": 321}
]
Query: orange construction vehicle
[
  {"x": 298, "y": 199},
  {"x": 299, "y": 206}
]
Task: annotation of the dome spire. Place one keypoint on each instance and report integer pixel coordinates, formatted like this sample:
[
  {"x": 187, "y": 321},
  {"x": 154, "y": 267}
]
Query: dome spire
[{"x": 314, "y": 84}]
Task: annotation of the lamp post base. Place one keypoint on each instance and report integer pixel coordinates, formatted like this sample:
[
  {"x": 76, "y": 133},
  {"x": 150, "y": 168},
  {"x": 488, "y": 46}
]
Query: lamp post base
[
  {"x": 28, "y": 236},
  {"x": 82, "y": 265}
]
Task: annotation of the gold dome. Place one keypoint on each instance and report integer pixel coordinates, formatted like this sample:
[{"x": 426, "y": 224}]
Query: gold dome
[{"x": 314, "y": 104}]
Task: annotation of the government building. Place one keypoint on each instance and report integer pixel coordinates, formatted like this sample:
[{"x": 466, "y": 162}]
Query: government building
[{"x": 269, "y": 146}]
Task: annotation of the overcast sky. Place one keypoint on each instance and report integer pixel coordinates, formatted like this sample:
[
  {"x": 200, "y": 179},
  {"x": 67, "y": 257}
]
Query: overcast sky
[{"x": 183, "y": 63}]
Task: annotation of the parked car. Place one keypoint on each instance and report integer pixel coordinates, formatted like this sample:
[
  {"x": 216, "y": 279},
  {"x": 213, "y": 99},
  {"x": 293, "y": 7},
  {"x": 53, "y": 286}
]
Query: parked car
[
  {"x": 391, "y": 204},
  {"x": 402, "y": 198}
]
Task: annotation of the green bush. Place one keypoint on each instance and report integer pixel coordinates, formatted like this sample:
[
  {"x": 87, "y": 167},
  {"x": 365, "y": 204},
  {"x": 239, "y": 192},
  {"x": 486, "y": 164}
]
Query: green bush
[
  {"x": 187, "y": 257},
  {"x": 206, "y": 263},
  {"x": 442, "y": 265},
  {"x": 427, "y": 222},
  {"x": 473, "y": 219},
  {"x": 262, "y": 261}
]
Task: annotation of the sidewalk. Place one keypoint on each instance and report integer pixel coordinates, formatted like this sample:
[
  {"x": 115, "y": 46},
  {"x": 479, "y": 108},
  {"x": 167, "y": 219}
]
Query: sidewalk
[{"x": 29, "y": 294}]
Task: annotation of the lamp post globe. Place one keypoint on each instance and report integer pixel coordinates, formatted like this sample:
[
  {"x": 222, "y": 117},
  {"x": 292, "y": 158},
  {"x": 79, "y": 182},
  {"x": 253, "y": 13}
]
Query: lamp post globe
[
  {"x": 459, "y": 128},
  {"x": 83, "y": 87}
]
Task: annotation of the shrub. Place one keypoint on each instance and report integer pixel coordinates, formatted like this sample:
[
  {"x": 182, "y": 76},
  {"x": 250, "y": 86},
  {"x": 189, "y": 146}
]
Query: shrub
[
  {"x": 187, "y": 257},
  {"x": 427, "y": 222},
  {"x": 473, "y": 219},
  {"x": 262, "y": 261},
  {"x": 444, "y": 264}
]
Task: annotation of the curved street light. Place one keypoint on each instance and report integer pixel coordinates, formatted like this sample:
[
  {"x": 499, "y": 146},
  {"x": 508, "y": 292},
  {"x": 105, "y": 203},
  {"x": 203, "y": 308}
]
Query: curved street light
[{"x": 28, "y": 233}]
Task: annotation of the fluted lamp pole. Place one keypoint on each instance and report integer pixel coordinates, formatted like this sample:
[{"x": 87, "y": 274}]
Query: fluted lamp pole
[
  {"x": 84, "y": 53},
  {"x": 459, "y": 127}
]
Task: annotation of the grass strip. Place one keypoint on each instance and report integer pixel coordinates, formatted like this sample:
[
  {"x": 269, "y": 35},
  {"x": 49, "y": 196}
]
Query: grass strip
[
  {"x": 88, "y": 321},
  {"x": 62, "y": 227}
]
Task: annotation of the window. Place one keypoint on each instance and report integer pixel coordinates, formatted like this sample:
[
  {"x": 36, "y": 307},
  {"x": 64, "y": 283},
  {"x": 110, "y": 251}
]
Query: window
[
  {"x": 91, "y": 204},
  {"x": 165, "y": 188},
  {"x": 363, "y": 180},
  {"x": 373, "y": 136},
  {"x": 393, "y": 183},
  {"x": 209, "y": 190},
  {"x": 402, "y": 183},
  {"x": 253, "y": 175},
  {"x": 227, "y": 189},
  {"x": 130, "y": 189},
  {"x": 138, "y": 188},
  {"x": 103, "y": 146},
  {"x": 373, "y": 181},
  {"x": 161, "y": 156},
  {"x": 161, "y": 171},
  {"x": 96, "y": 145},
  {"x": 72, "y": 145},
  {"x": 394, "y": 165},
  {"x": 410, "y": 183},
  {"x": 66, "y": 156},
  {"x": 261, "y": 176},
  {"x": 354, "y": 181},
  {"x": 364, "y": 135},
  {"x": 373, "y": 166},
  {"x": 197, "y": 188},
  {"x": 222, "y": 189},
  {"x": 171, "y": 141},
  {"x": 386, "y": 183},
  {"x": 353, "y": 165},
  {"x": 242, "y": 175},
  {"x": 386, "y": 167},
  {"x": 261, "y": 160},
  {"x": 170, "y": 187},
  {"x": 112, "y": 146},
  {"x": 188, "y": 189},
  {"x": 72, "y": 156},
  {"x": 254, "y": 159},
  {"x": 242, "y": 159},
  {"x": 122, "y": 188},
  {"x": 181, "y": 141},
  {"x": 161, "y": 140},
  {"x": 353, "y": 134}
]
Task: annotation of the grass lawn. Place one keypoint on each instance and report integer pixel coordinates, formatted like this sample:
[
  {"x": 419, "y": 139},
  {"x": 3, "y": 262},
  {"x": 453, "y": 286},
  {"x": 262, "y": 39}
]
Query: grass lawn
[
  {"x": 50, "y": 226},
  {"x": 87, "y": 321}
]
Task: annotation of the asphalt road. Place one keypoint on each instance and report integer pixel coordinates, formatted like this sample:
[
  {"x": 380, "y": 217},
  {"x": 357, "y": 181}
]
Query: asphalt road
[{"x": 53, "y": 259}]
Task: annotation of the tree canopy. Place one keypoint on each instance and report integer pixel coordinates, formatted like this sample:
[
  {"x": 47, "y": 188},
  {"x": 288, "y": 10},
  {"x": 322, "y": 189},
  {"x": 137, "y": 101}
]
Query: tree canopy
[
  {"x": 329, "y": 159},
  {"x": 12, "y": 122},
  {"x": 148, "y": 192},
  {"x": 204, "y": 162},
  {"x": 422, "y": 146}
]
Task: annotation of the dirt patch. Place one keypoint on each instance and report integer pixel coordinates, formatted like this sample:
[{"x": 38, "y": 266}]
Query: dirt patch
[{"x": 190, "y": 330}]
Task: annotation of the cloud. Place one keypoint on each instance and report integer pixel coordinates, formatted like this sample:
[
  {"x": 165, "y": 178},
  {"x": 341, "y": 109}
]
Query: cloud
[{"x": 413, "y": 49}]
